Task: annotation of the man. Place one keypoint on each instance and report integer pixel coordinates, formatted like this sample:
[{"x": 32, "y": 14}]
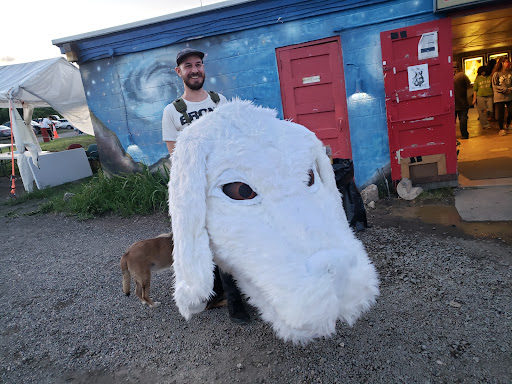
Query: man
[
  {"x": 190, "y": 67},
  {"x": 47, "y": 123},
  {"x": 461, "y": 84},
  {"x": 195, "y": 102}
]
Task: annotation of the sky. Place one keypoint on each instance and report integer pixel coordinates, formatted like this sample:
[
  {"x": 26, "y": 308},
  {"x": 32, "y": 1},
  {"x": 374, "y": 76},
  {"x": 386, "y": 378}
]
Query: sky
[{"x": 28, "y": 27}]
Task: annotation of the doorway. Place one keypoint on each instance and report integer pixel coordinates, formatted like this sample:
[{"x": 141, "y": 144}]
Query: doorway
[{"x": 485, "y": 158}]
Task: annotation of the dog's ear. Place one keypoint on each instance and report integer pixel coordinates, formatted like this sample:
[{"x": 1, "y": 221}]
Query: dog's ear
[{"x": 193, "y": 260}]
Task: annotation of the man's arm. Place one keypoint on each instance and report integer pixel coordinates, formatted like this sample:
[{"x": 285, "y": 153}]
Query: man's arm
[
  {"x": 170, "y": 146},
  {"x": 169, "y": 132}
]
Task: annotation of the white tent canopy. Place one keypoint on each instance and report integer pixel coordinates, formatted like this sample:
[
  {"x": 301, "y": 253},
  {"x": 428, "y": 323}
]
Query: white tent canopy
[{"x": 46, "y": 83}]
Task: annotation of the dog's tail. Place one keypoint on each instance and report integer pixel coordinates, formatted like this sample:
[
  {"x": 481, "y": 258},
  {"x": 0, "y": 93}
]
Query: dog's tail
[{"x": 126, "y": 274}]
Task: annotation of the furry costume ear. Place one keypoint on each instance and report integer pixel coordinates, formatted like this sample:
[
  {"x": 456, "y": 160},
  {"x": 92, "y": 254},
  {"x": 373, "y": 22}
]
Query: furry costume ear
[{"x": 193, "y": 259}]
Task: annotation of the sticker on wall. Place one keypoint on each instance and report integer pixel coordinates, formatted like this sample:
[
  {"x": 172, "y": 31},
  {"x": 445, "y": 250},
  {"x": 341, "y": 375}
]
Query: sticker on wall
[
  {"x": 311, "y": 79},
  {"x": 428, "y": 47},
  {"x": 418, "y": 77}
]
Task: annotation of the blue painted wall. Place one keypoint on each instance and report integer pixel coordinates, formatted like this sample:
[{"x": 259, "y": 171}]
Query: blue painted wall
[{"x": 129, "y": 92}]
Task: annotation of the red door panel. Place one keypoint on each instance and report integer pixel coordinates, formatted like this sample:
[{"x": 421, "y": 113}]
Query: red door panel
[
  {"x": 420, "y": 122},
  {"x": 313, "y": 95}
]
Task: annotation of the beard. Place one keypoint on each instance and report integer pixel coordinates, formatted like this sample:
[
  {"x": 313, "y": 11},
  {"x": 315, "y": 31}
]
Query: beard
[{"x": 195, "y": 86}]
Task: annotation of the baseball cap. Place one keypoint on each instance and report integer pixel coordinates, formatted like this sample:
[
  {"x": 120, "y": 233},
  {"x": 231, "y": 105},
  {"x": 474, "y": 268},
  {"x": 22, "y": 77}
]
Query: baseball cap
[{"x": 184, "y": 53}]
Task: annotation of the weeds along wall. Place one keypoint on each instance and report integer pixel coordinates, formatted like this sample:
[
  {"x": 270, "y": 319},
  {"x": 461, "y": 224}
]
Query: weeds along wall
[{"x": 127, "y": 92}]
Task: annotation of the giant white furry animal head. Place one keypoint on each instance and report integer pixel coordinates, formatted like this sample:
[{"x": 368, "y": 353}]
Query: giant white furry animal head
[{"x": 257, "y": 195}]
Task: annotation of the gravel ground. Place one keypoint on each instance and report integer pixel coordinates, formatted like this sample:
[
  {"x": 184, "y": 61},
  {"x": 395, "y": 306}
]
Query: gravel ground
[{"x": 444, "y": 314}]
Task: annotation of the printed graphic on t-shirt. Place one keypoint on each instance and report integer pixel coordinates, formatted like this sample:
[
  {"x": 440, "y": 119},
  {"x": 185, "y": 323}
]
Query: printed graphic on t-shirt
[
  {"x": 505, "y": 80},
  {"x": 484, "y": 83},
  {"x": 194, "y": 115}
]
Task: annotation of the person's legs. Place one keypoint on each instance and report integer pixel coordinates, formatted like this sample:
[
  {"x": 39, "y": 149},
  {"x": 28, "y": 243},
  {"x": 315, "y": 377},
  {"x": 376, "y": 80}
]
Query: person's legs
[
  {"x": 236, "y": 308},
  {"x": 481, "y": 106},
  {"x": 489, "y": 107},
  {"x": 463, "y": 123},
  {"x": 509, "y": 113},
  {"x": 499, "y": 109}
]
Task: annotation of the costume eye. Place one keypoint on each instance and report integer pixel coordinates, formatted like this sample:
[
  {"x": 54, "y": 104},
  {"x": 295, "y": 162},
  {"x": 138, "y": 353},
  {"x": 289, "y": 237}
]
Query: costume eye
[
  {"x": 239, "y": 191},
  {"x": 311, "y": 178}
]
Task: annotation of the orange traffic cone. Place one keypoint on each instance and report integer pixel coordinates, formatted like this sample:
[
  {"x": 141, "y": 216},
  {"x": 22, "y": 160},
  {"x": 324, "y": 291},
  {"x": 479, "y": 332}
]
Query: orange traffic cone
[{"x": 55, "y": 134}]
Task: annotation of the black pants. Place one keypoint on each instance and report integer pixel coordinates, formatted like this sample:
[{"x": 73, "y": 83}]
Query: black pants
[
  {"x": 463, "y": 122},
  {"x": 224, "y": 283},
  {"x": 499, "y": 112}
]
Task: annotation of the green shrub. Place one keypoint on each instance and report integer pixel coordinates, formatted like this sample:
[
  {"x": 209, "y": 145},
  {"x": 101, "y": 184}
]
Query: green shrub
[{"x": 126, "y": 195}]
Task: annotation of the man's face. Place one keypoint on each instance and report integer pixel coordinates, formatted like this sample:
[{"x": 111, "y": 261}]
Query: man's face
[
  {"x": 506, "y": 65},
  {"x": 191, "y": 70}
]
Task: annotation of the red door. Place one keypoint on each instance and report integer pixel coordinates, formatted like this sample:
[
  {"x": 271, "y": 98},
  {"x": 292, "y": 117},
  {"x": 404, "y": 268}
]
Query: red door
[
  {"x": 418, "y": 84},
  {"x": 313, "y": 93}
]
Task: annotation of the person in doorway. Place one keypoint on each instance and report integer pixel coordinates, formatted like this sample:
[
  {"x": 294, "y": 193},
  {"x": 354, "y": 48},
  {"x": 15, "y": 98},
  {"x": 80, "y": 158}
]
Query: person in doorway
[
  {"x": 47, "y": 123},
  {"x": 482, "y": 97},
  {"x": 488, "y": 72},
  {"x": 461, "y": 84},
  {"x": 489, "y": 67},
  {"x": 502, "y": 87},
  {"x": 195, "y": 102}
]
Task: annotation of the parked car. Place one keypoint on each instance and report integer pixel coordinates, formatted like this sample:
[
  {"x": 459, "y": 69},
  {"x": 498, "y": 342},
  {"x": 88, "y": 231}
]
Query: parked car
[
  {"x": 5, "y": 131},
  {"x": 36, "y": 127},
  {"x": 63, "y": 123}
]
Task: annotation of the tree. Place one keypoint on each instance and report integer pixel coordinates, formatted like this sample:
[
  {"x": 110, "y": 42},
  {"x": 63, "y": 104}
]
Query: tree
[{"x": 38, "y": 112}]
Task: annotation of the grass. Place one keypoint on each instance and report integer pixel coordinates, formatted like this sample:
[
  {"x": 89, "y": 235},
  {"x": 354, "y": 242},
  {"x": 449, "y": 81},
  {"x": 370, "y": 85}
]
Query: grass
[
  {"x": 124, "y": 195},
  {"x": 62, "y": 144},
  {"x": 441, "y": 194}
]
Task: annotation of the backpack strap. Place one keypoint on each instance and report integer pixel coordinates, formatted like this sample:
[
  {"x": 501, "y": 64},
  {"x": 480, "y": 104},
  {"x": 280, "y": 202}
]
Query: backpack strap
[
  {"x": 181, "y": 107},
  {"x": 215, "y": 96}
]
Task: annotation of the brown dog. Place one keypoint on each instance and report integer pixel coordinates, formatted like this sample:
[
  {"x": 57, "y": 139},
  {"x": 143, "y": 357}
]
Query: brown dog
[
  {"x": 140, "y": 259},
  {"x": 153, "y": 255}
]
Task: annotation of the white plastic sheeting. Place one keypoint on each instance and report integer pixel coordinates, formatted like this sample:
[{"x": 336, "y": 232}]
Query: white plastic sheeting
[
  {"x": 47, "y": 83},
  {"x": 25, "y": 140}
]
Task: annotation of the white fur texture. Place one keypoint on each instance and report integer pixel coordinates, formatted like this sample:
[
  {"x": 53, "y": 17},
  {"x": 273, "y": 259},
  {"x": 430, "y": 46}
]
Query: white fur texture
[{"x": 290, "y": 248}]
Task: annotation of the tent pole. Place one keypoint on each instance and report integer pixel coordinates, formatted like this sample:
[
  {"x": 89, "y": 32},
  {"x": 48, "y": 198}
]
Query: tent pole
[{"x": 13, "y": 183}]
